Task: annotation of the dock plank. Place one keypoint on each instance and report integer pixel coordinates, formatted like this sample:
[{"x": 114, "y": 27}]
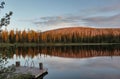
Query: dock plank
[{"x": 36, "y": 72}]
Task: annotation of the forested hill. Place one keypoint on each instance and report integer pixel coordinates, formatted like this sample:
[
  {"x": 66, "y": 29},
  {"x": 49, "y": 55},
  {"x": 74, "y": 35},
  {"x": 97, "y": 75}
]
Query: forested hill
[
  {"x": 85, "y": 31},
  {"x": 63, "y": 35},
  {"x": 83, "y": 34}
]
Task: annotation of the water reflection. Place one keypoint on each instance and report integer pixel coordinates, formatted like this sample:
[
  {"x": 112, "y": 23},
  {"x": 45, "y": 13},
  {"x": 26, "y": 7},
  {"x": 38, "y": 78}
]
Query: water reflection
[
  {"x": 67, "y": 52},
  {"x": 83, "y": 62}
]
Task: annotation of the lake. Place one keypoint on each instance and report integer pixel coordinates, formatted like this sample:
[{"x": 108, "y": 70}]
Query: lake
[{"x": 71, "y": 62}]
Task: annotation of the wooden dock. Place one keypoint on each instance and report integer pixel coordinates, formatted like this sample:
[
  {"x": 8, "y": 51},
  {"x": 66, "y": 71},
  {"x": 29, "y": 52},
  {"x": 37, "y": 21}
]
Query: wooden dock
[{"x": 35, "y": 72}]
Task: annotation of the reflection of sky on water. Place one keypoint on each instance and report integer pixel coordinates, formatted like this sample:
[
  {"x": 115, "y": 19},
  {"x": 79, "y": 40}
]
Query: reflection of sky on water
[{"x": 76, "y": 68}]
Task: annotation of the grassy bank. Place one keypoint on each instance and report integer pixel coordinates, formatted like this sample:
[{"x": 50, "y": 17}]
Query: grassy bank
[{"x": 53, "y": 44}]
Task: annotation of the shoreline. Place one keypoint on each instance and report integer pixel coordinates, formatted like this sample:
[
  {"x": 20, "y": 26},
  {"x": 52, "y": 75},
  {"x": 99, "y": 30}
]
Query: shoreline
[{"x": 54, "y": 44}]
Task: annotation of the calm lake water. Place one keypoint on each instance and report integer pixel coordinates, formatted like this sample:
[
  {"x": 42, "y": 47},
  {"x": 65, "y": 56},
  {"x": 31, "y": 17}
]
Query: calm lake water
[{"x": 83, "y": 62}]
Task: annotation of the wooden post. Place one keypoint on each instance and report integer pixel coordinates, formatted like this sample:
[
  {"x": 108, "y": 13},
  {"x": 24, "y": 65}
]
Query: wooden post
[
  {"x": 41, "y": 66},
  {"x": 17, "y": 63}
]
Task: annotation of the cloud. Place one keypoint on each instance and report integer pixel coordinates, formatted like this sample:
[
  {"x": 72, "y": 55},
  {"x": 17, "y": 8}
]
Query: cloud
[
  {"x": 96, "y": 21},
  {"x": 59, "y": 21},
  {"x": 103, "y": 16},
  {"x": 112, "y": 7},
  {"x": 115, "y": 7},
  {"x": 100, "y": 16},
  {"x": 102, "y": 21}
]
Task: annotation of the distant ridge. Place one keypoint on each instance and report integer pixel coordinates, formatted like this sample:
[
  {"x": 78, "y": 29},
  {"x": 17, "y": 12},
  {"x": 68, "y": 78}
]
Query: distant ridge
[{"x": 84, "y": 31}]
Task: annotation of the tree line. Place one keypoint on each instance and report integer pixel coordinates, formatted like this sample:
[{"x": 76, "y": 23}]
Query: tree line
[{"x": 31, "y": 36}]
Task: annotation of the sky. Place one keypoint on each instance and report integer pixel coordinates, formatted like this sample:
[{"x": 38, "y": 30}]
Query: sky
[{"x": 42, "y": 15}]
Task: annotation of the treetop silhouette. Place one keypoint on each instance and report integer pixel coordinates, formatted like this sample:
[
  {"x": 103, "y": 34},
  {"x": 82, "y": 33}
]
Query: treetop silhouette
[{"x": 5, "y": 20}]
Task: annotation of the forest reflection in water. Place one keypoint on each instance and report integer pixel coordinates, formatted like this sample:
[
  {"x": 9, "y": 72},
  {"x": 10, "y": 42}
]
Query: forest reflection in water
[
  {"x": 65, "y": 51},
  {"x": 71, "y": 62}
]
